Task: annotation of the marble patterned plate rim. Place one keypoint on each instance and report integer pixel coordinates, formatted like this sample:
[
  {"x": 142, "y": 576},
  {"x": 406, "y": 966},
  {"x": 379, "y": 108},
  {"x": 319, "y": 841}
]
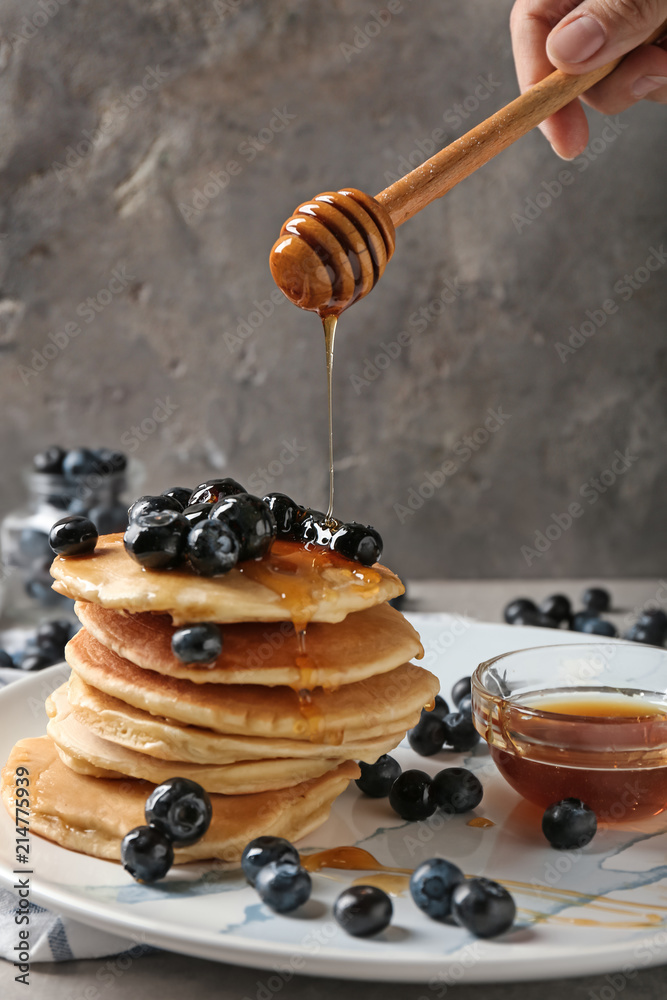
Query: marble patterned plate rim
[{"x": 412, "y": 951}]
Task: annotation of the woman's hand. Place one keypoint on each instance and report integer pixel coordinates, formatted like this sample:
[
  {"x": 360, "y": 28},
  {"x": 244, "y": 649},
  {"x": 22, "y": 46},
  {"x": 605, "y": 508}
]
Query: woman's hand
[{"x": 579, "y": 35}]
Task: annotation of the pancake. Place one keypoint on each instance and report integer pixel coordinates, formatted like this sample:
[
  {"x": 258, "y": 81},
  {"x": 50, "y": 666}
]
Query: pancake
[
  {"x": 92, "y": 815},
  {"x": 364, "y": 644},
  {"x": 87, "y": 753},
  {"x": 369, "y": 706},
  {"x": 291, "y": 584},
  {"x": 166, "y": 739}
]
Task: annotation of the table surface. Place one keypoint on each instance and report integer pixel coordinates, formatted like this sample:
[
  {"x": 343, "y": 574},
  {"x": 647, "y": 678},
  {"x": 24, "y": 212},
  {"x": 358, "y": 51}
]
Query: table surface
[{"x": 169, "y": 976}]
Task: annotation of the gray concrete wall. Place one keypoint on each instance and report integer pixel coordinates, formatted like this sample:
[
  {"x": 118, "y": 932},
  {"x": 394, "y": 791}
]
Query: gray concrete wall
[{"x": 174, "y": 276}]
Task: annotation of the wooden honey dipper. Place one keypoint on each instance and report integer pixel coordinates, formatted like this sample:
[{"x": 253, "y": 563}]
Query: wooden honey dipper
[{"x": 333, "y": 249}]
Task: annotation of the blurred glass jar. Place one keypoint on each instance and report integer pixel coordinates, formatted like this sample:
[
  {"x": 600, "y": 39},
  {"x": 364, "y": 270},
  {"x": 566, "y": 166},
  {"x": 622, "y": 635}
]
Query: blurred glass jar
[{"x": 24, "y": 536}]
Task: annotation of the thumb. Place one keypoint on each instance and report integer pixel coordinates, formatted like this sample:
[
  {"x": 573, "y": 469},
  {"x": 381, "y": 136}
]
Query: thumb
[{"x": 597, "y": 31}]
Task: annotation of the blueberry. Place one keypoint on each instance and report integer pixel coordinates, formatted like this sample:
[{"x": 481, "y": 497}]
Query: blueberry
[
  {"x": 215, "y": 489},
  {"x": 79, "y": 463},
  {"x": 460, "y": 733},
  {"x": 110, "y": 461},
  {"x": 251, "y": 520},
  {"x": 440, "y": 707},
  {"x": 196, "y": 513},
  {"x": 213, "y": 548},
  {"x": 263, "y": 851},
  {"x": 654, "y": 618},
  {"x": 598, "y": 626},
  {"x": 428, "y": 735},
  {"x": 179, "y": 493},
  {"x": 300, "y": 521},
  {"x": 317, "y": 530},
  {"x": 283, "y": 886},
  {"x": 363, "y": 910},
  {"x": 400, "y": 600},
  {"x": 157, "y": 541},
  {"x": 569, "y": 824},
  {"x": 519, "y": 606},
  {"x": 146, "y": 853},
  {"x": 596, "y": 599},
  {"x": 152, "y": 505},
  {"x": 376, "y": 779},
  {"x": 73, "y": 536},
  {"x": 201, "y": 643},
  {"x": 109, "y": 520},
  {"x": 284, "y": 511},
  {"x": 461, "y": 689},
  {"x": 50, "y": 460},
  {"x": 578, "y": 620},
  {"x": 432, "y": 884},
  {"x": 359, "y": 542},
  {"x": 456, "y": 790},
  {"x": 557, "y": 607},
  {"x": 483, "y": 907},
  {"x": 648, "y": 635},
  {"x": 51, "y": 654},
  {"x": 56, "y": 633},
  {"x": 410, "y": 795},
  {"x": 42, "y": 592},
  {"x": 181, "y": 809},
  {"x": 35, "y": 661},
  {"x": 5, "y": 659},
  {"x": 465, "y": 706}
]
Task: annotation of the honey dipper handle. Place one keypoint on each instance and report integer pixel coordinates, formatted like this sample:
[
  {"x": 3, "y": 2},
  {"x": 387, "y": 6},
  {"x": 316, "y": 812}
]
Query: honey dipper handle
[{"x": 441, "y": 172}]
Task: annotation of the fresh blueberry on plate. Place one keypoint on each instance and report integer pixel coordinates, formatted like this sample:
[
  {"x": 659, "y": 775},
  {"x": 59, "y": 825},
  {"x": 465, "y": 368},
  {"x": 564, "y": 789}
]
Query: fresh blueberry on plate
[
  {"x": 152, "y": 505},
  {"x": 432, "y": 884},
  {"x": 377, "y": 779},
  {"x": 263, "y": 851},
  {"x": 596, "y": 599},
  {"x": 199, "y": 643},
  {"x": 579, "y": 619},
  {"x": 598, "y": 626},
  {"x": 456, "y": 790},
  {"x": 519, "y": 606},
  {"x": 440, "y": 707},
  {"x": 428, "y": 736},
  {"x": 648, "y": 635},
  {"x": 461, "y": 689},
  {"x": 181, "y": 809},
  {"x": 285, "y": 512},
  {"x": 483, "y": 907},
  {"x": 557, "y": 607},
  {"x": 146, "y": 853},
  {"x": 196, "y": 513},
  {"x": 569, "y": 824},
  {"x": 157, "y": 541},
  {"x": 465, "y": 706},
  {"x": 460, "y": 733},
  {"x": 410, "y": 795},
  {"x": 283, "y": 886},
  {"x": 363, "y": 910},
  {"x": 73, "y": 535},
  {"x": 179, "y": 493}
]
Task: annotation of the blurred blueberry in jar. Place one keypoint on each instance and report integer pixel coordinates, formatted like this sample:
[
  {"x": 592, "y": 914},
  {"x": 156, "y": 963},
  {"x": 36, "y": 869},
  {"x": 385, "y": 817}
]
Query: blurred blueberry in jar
[{"x": 83, "y": 481}]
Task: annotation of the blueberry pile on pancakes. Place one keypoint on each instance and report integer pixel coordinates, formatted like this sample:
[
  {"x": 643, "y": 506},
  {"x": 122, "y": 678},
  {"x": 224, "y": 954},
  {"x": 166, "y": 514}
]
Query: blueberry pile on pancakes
[{"x": 245, "y": 643}]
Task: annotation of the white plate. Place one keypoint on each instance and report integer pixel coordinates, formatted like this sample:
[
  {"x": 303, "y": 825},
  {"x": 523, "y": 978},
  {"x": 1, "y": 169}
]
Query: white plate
[{"x": 220, "y": 917}]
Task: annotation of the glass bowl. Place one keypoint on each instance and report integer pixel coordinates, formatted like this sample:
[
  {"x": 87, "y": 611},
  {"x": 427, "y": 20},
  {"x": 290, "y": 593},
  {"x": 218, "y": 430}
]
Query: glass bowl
[{"x": 581, "y": 720}]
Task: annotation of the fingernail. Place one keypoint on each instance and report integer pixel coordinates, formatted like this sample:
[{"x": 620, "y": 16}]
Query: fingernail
[
  {"x": 576, "y": 41},
  {"x": 645, "y": 84}
]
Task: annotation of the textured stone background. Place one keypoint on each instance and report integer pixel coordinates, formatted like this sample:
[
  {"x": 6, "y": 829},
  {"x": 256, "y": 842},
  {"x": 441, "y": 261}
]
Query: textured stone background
[{"x": 194, "y": 266}]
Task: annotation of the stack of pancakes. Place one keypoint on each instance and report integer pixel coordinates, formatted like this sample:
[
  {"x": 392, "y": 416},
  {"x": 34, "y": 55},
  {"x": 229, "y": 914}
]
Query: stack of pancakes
[{"x": 314, "y": 675}]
